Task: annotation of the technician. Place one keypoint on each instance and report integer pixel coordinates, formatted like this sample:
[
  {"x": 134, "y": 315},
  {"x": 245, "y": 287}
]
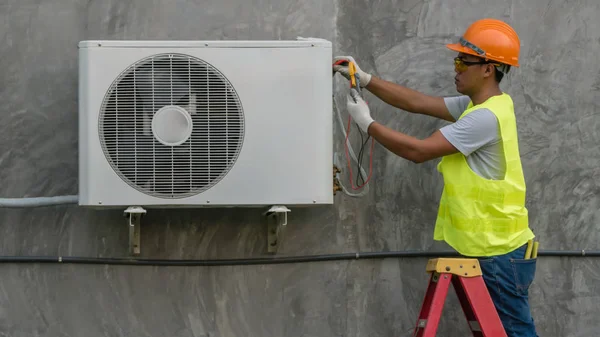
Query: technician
[{"x": 482, "y": 211}]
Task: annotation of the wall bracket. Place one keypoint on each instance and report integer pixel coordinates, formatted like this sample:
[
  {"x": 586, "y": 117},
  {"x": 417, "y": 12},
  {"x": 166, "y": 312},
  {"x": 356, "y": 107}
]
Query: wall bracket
[
  {"x": 134, "y": 215},
  {"x": 276, "y": 224}
]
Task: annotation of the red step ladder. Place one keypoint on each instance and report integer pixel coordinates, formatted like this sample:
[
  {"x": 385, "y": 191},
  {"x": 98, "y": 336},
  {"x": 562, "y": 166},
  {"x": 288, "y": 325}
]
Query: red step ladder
[{"x": 466, "y": 277}]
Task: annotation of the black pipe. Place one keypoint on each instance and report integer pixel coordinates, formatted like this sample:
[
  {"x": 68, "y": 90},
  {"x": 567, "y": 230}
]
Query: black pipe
[
  {"x": 576, "y": 253},
  {"x": 265, "y": 260}
]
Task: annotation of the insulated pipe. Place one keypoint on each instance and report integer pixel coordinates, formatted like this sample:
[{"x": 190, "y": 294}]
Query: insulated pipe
[
  {"x": 265, "y": 260},
  {"x": 38, "y": 202}
]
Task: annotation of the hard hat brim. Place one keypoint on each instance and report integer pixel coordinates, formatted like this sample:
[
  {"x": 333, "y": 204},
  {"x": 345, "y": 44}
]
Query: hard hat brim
[{"x": 457, "y": 47}]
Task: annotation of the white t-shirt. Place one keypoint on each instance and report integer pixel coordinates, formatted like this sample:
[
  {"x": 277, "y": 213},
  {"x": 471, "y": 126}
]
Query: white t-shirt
[{"x": 477, "y": 137}]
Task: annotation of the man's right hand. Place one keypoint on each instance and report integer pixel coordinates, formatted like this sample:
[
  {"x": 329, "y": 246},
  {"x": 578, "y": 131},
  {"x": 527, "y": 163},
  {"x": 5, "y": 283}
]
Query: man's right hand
[{"x": 364, "y": 78}]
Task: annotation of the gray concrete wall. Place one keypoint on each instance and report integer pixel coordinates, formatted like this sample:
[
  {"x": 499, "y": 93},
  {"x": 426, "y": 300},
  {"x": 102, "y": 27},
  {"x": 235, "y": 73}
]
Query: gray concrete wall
[{"x": 555, "y": 92}]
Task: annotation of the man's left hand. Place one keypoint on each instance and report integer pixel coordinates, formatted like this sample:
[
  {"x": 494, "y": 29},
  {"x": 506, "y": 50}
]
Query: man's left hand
[{"x": 359, "y": 110}]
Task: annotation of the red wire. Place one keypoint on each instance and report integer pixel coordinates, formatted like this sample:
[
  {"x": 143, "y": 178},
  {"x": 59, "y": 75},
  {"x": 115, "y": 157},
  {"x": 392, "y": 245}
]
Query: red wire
[{"x": 348, "y": 158}]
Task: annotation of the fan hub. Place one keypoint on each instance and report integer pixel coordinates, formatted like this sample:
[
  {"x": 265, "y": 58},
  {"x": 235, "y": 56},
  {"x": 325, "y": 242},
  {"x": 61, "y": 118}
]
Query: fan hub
[{"x": 172, "y": 125}]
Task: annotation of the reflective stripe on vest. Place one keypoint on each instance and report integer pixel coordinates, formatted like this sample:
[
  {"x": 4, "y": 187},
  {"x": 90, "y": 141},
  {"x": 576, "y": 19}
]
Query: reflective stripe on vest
[{"x": 479, "y": 216}]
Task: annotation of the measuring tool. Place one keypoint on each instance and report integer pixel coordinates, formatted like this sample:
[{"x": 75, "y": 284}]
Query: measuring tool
[{"x": 354, "y": 78}]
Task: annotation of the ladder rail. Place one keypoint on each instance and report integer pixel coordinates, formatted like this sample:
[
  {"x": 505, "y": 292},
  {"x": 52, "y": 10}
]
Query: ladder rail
[
  {"x": 467, "y": 280},
  {"x": 429, "y": 317},
  {"x": 484, "y": 310}
]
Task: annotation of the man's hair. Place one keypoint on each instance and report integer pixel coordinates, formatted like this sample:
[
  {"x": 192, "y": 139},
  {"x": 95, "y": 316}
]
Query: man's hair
[
  {"x": 499, "y": 75},
  {"x": 501, "y": 71}
]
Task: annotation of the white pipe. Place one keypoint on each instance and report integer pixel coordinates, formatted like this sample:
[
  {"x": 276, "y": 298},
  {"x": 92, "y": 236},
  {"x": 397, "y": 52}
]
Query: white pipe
[{"x": 38, "y": 202}]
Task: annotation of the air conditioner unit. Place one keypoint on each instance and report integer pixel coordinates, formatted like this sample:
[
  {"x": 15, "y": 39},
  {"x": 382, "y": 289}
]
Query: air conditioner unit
[{"x": 205, "y": 123}]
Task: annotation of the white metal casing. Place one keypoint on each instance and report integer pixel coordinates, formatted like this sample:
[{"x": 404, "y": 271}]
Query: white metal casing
[{"x": 285, "y": 90}]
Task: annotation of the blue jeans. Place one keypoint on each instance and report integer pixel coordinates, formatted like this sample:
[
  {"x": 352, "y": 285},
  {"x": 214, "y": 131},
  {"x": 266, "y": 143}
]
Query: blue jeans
[{"x": 508, "y": 278}]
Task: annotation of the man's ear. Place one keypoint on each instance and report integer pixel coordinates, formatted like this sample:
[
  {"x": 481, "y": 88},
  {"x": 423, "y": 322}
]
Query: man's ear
[{"x": 490, "y": 70}]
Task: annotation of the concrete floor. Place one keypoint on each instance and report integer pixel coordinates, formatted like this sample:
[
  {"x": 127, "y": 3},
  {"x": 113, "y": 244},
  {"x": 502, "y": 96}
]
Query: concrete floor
[{"x": 556, "y": 98}]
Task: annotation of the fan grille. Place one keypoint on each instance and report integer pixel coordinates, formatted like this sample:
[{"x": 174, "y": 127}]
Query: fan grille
[{"x": 128, "y": 138}]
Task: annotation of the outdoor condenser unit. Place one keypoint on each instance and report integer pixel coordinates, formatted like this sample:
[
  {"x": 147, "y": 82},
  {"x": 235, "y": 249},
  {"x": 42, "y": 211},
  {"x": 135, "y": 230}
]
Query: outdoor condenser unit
[{"x": 205, "y": 123}]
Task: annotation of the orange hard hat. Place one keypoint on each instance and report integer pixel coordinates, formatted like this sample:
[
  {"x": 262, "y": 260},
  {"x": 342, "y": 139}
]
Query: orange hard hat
[{"x": 490, "y": 39}]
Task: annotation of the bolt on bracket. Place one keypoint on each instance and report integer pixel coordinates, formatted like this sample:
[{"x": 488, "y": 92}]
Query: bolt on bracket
[
  {"x": 134, "y": 215},
  {"x": 276, "y": 224},
  {"x": 336, "y": 182}
]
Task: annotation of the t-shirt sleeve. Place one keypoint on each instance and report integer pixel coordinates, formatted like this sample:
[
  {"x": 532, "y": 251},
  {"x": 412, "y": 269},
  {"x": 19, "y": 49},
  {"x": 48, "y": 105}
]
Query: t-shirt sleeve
[
  {"x": 457, "y": 105},
  {"x": 477, "y": 129}
]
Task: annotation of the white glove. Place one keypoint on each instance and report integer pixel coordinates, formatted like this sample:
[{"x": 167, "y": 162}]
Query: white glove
[
  {"x": 359, "y": 110},
  {"x": 363, "y": 77}
]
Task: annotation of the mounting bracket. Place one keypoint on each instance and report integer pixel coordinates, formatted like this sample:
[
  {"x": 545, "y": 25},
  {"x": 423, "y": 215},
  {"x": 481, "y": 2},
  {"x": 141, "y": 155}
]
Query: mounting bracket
[
  {"x": 134, "y": 215},
  {"x": 276, "y": 224}
]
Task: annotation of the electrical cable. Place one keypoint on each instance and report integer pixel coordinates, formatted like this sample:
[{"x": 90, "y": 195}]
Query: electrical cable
[
  {"x": 350, "y": 166},
  {"x": 350, "y": 153},
  {"x": 350, "y": 150},
  {"x": 360, "y": 154},
  {"x": 355, "y": 83},
  {"x": 267, "y": 260}
]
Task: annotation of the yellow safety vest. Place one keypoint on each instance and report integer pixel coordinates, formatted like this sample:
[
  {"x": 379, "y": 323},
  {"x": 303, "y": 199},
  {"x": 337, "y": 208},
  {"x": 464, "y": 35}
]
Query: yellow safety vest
[{"x": 479, "y": 216}]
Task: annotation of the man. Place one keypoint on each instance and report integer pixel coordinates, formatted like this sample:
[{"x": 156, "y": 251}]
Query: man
[{"x": 482, "y": 210}]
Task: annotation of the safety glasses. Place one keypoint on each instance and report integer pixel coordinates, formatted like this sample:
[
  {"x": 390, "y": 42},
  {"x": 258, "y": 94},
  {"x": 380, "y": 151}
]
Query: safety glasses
[{"x": 461, "y": 65}]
